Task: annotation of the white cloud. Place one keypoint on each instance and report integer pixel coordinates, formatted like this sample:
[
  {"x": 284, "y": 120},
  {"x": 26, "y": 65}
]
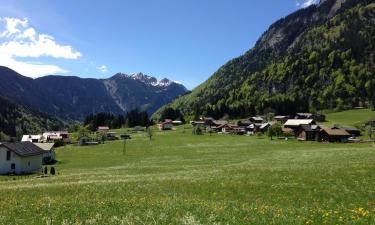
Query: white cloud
[
  {"x": 103, "y": 68},
  {"x": 306, "y": 3},
  {"x": 19, "y": 40}
]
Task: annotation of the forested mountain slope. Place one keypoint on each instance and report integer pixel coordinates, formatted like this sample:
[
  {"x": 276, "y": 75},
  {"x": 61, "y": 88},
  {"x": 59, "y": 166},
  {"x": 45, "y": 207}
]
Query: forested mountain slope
[{"x": 318, "y": 57}]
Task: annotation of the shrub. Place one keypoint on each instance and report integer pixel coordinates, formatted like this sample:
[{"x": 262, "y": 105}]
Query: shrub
[
  {"x": 197, "y": 130},
  {"x": 52, "y": 171}
]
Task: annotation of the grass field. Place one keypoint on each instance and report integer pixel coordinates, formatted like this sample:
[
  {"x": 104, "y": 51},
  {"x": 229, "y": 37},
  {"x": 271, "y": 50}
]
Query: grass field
[{"x": 178, "y": 178}]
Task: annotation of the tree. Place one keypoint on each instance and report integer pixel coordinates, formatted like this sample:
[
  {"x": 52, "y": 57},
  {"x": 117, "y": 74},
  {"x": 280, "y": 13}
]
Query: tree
[
  {"x": 274, "y": 130},
  {"x": 271, "y": 132},
  {"x": 149, "y": 132},
  {"x": 83, "y": 131},
  {"x": 197, "y": 130}
]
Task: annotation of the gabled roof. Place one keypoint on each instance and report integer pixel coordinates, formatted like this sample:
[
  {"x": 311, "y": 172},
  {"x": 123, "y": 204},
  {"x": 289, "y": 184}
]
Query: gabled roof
[
  {"x": 45, "y": 146},
  {"x": 256, "y": 118},
  {"x": 280, "y": 117},
  {"x": 264, "y": 125},
  {"x": 298, "y": 122},
  {"x": 24, "y": 149},
  {"x": 335, "y": 131}
]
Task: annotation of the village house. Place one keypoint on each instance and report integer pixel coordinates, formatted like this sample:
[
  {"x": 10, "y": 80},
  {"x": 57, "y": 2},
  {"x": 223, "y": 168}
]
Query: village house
[
  {"x": 333, "y": 134},
  {"x": 52, "y": 136},
  {"x": 281, "y": 119},
  {"x": 32, "y": 138},
  {"x": 295, "y": 124},
  {"x": 20, "y": 158},
  {"x": 256, "y": 119},
  {"x": 316, "y": 117},
  {"x": 49, "y": 155},
  {"x": 166, "y": 125},
  {"x": 111, "y": 135},
  {"x": 138, "y": 129},
  {"x": 264, "y": 127},
  {"x": 177, "y": 122},
  {"x": 103, "y": 129},
  {"x": 303, "y": 116},
  {"x": 308, "y": 132}
]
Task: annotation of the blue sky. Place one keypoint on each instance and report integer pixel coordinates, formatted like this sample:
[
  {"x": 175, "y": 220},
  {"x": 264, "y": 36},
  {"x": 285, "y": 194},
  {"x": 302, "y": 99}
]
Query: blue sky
[{"x": 186, "y": 41}]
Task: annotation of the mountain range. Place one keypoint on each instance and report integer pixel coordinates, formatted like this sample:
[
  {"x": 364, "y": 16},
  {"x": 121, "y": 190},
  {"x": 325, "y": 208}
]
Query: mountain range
[
  {"x": 319, "y": 57},
  {"x": 73, "y": 98}
]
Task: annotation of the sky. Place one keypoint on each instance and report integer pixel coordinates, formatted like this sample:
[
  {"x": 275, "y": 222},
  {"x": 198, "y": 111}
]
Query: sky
[{"x": 185, "y": 41}]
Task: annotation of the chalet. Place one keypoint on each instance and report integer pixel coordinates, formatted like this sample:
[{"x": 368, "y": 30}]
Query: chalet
[
  {"x": 304, "y": 116},
  {"x": 238, "y": 130},
  {"x": 177, "y": 122},
  {"x": 244, "y": 123},
  {"x": 49, "y": 155},
  {"x": 256, "y": 119},
  {"x": 52, "y": 136},
  {"x": 32, "y": 138},
  {"x": 138, "y": 129},
  {"x": 295, "y": 124},
  {"x": 166, "y": 125},
  {"x": 308, "y": 132},
  {"x": 86, "y": 141},
  {"x": 111, "y": 135},
  {"x": 217, "y": 123},
  {"x": 208, "y": 120},
  {"x": 103, "y": 129},
  {"x": 353, "y": 131},
  {"x": 20, "y": 158},
  {"x": 264, "y": 127},
  {"x": 227, "y": 128},
  {"x": 333, "y": 134},
  {"x": 317, "y": 117},
  {"x": 281, "y": 119}
]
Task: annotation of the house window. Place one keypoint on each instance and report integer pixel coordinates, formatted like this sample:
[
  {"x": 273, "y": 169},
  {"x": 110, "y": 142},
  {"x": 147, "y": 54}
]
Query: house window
[
  {"x": 28, "y": 163},
  {"x": 13, "y": 166},
  {"x": 8, "y": 155}
]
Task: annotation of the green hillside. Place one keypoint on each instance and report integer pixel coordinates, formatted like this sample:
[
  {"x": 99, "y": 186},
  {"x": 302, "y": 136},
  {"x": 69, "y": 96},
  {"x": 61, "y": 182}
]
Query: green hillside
[
  {"x": 356, "y": 117},
  {"x": 178, "y": 178},
  {"x": 317, "y": 58}
]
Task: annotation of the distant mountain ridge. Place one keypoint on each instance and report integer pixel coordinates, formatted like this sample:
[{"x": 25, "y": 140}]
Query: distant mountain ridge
[
  {"x": 71, "y": 97},
  {"x": 316, "y": 58}
]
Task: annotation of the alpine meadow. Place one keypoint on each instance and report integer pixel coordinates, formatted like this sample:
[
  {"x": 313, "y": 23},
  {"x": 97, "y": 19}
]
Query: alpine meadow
[{"x": 283, "y": 134}]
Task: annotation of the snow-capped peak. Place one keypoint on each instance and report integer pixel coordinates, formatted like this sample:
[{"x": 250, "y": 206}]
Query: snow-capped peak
[{"x": 148, "y": 79}]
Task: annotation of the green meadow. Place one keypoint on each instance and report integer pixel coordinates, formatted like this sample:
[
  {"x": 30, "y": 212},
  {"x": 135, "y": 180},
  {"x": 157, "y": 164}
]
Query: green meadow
[{"x": 180, "y": 178}]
